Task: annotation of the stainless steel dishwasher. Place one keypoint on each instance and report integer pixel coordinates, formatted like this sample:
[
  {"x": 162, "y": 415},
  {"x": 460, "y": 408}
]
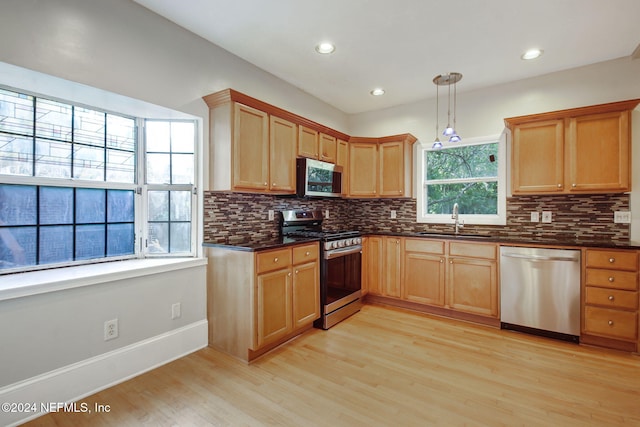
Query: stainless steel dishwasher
[{"x": 540, "y": 291}]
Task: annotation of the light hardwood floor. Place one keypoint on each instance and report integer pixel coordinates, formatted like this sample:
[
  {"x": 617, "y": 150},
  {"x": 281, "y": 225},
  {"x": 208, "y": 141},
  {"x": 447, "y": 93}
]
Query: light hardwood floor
[{"x": 383, "y": 367}]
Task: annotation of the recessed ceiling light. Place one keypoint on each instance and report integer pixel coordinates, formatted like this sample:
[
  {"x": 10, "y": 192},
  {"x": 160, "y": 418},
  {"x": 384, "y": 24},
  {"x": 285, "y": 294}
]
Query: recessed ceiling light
[
  {"x": 377, "y": 92},
  {"x": 325, "y": 48},
  {"x": 532, "y": 54}
]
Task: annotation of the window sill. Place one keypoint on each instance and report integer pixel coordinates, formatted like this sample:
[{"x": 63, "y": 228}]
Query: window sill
[{"x": 38, "y": 282}]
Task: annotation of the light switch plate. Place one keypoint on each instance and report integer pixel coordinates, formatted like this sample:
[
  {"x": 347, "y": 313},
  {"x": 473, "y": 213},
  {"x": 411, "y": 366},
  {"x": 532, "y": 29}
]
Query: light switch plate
[
  {"x": 546, "y": 216},
  {"x": 535, "y": 216},
  {"x": 393, "y": 214},
  {"x": 622, "y": 217}
]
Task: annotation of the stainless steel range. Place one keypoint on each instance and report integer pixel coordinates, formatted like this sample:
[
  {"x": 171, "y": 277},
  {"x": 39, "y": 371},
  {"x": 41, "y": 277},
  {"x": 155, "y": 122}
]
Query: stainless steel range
[{"x": 340, "y": 264}]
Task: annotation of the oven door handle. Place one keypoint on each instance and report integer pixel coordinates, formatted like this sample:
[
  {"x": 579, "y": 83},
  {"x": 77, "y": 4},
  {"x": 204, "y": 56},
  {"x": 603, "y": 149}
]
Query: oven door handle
[{"x": 335, "y": 253}]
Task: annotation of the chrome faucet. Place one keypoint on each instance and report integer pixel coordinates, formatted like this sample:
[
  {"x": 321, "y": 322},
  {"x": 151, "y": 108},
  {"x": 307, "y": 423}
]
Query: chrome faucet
[{"x": 455, "y": 216}]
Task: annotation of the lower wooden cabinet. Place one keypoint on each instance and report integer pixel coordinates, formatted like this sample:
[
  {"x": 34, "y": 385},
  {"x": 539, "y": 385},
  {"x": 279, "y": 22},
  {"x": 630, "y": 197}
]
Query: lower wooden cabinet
[
  {"x": 258, "y": 300},
  {"x": 459, "y": 279},
  {"x": 610, "y": 299}
]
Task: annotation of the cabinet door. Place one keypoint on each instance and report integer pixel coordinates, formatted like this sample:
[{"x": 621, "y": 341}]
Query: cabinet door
[
  {"x": 424, "y": 278},
  {"x": 273, "y": 306},
  {"x": 372, "y": 267},
  {"x": 473, "y": 286},
  {"x": 306, "y": 294},
  {"x": 363, "y": 172},
  {"x": 328, "y": 148},
  {"x": 538, "y": 158},
  {"x": 392, "y": 266},
  {"x": 250, "y": 148},
  {"x": 307, "y": 142},
  {"x": 599, "y": 153},
  {"x": 342, "y": 159},
  {"x": 283, "y": 138},
  {"x": 391, "y": 180}
]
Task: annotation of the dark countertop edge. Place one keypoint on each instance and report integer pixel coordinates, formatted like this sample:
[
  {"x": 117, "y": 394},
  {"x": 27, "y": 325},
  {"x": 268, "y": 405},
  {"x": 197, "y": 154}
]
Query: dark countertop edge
[
  {"x": 515, "y": 241},
  {"x": 260, "y": 245}
]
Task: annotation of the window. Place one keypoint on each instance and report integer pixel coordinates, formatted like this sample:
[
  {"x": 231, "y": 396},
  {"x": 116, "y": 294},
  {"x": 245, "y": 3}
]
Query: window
[
  {"x": 76, "y": 183},
  {"x": 470, "y": 174}
]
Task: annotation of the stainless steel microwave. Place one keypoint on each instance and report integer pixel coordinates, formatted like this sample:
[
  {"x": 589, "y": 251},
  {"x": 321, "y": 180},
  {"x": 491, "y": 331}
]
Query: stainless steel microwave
[{"x": 318, "y": 179}]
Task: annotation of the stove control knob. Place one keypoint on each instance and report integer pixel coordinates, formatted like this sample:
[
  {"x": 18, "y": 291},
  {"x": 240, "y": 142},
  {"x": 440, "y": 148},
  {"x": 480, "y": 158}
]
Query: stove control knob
[
  {"x": 358, "y": 241},
  {"x": 334, "y": 245},
  {"x": 340, "y": 243},
  {"x": 327, "y": 246}
]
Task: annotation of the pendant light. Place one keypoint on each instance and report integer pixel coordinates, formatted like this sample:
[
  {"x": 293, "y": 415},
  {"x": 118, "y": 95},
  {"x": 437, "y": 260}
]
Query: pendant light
[
  {"x": 448, "y": 80},
  {"x": 437, "y": 144}
]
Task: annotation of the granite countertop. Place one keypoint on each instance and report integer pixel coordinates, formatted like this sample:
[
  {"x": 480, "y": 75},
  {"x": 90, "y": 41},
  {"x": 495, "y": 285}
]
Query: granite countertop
[{"x": 261, "y": 243}]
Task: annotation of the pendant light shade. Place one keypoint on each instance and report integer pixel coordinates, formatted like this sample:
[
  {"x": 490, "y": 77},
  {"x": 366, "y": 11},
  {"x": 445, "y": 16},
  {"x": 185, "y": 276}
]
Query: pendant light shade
[{"x": 448, "y": 79}]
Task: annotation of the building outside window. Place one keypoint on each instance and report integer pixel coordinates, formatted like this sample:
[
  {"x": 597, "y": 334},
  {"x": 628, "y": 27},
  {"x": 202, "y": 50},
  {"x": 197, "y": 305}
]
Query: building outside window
[{"x": 80, "y": 185}]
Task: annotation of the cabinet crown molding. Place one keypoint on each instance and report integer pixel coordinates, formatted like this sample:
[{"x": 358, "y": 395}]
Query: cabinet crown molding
[{"x": 573, "y": 112}]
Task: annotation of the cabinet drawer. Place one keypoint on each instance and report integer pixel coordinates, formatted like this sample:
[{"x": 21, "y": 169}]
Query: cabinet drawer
[
  {"x": 474, "y": 250},
  {"x": 273, "y": 260},
  {"x": 305, "y": 253},
  {"x": 425, "y": 246},
  {"x": 613, "y": 279},
  {"x": 612, "y": 298},
  {"x": 615, "y": 260},
  {"x": 611, "y": 323}
]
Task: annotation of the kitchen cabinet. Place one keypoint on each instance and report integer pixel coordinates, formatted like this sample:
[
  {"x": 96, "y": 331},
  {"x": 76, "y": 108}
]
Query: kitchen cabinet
[
  {"x": 253, "y": 145},
  {"x": 472, "y": 278},
  {"x": 424, "y": 271},
  {"x": 452, "y": 278},
  {"x": 381, "y": 167},
  {"x": 258, "y": 300},
  {"x": 342, "y": 160},
  {"x": 328, "y": 148},
  {"x": 372, "y": 265},
  {"x": 610, "y": 298},
  {"x": 308, "y": 142},
  {"x": 581, "y": 150}
]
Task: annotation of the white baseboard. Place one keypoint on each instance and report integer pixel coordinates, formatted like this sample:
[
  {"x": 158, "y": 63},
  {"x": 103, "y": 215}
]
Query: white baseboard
[{"x": 73, "y": 382}]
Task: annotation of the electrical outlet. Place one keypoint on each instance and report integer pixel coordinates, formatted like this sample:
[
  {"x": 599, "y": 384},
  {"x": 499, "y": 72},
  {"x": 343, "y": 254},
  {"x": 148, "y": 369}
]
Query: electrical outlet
[
  {"x": 622, "y": 217},
  {"x": 535, "y": 216},
  {"x": 546, "y": 216},
  {"x": 326, "y": 213},
  {"x": 110, "y": 329},
  {"x": 393, "y": 214},
  {"x": 271, "y": 215},
  {"x": 176, "y": 311}
]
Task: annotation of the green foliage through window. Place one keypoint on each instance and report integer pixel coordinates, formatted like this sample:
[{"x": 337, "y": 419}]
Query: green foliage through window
[{"x": 467, "y": 175}]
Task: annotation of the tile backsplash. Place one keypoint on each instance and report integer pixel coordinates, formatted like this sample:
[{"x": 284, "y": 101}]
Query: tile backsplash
[{"x": 231, "y": 216}]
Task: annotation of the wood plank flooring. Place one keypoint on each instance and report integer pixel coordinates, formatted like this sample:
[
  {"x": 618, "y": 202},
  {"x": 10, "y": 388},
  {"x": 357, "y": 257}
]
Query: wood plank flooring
[{"x": 383, "y": 367}]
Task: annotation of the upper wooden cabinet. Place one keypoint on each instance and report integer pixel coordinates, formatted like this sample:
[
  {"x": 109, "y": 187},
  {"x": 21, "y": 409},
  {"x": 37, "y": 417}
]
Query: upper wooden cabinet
[
  {"x": 307, "y": 142},
  {"x": 342, "y": 159},
  {"x": 253, "y": 145},
  {"x": 581, "y": 150},
  {"x": 328, "y": 148},
  {"x": 381, "y": 167}
]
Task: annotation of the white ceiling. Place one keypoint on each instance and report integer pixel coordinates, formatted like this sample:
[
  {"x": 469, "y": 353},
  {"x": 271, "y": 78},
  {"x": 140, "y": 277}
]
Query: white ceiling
[{"x": 401, "y": 45}]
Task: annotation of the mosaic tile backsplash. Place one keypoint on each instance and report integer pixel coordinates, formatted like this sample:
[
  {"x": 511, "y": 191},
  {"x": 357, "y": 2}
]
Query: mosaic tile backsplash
[{"x": 231, "y": 216}]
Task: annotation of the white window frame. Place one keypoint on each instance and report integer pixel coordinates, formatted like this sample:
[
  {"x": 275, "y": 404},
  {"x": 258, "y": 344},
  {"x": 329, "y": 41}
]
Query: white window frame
[
  {"x": 140, "y": 188},
  {"x": 499, "y": 219}
]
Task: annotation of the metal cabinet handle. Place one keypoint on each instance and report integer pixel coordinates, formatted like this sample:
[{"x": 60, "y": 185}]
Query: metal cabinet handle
[
  {"x": 441, "y": 260},
  {"x": 306, "y": 253},
  {"x": 559, "y": 185},
  {"x": 610, "y": 322},
  {"x": 574, "y": 185},
  {"x": 296, "y": 271},
  {"x": 612, "y": 260},
  {"x": 275, "y": 259},
  {"x": 610, "y": 297},
  {"x": 265, "y": 183},
  {"x": 289, "y": 274},
  {"x": 611, "y": 279}
]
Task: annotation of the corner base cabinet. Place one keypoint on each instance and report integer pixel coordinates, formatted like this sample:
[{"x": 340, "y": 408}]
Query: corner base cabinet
[{"x": 258, "y": 300}]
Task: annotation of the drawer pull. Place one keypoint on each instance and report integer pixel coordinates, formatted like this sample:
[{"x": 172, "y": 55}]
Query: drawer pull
[
  {"x": 612, "y": 260},
  {"x": 296, "y": 271},
  {"x": 275, "y": 259},
  {"x": 307, "y": 253},
  {"x": 610, "y": 297},
  {"x": 610, "y": 322},
  {"x": 611, "y": 279}
]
